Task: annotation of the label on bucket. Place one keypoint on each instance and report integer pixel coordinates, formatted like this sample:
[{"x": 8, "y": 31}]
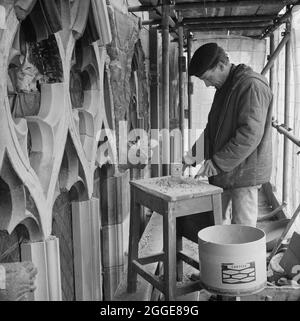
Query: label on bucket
[{"x": 238, "y": 273}]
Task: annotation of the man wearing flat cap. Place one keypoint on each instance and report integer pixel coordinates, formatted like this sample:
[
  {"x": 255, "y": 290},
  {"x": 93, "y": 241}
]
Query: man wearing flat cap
[{"x": 237, "y": 137}]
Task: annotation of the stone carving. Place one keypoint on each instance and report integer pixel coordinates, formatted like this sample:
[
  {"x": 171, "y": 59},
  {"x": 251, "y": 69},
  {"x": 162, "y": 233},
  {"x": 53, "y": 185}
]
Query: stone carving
[
  {"x": 48, "y": 146},
  {"x": 27, "y": 77},
  {"x": 19, "y": 281},
  {"x": 54, "y": 146},
  {"x": 51, "y": 146},
  {"x": 13, "y": 201},
  {"x": 45, "y": 128}
]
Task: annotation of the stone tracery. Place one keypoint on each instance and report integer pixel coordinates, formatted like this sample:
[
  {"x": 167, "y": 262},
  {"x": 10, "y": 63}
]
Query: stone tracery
[{"x": 49, "y": 143}]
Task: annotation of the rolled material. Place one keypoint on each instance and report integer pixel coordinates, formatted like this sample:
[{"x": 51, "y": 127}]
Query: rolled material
[
  {"x": 36, "y": 253},
  {"x": 53, "y": 266}
]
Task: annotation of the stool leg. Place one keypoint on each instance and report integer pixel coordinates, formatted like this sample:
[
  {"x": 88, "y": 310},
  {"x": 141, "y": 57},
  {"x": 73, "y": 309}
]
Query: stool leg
[
  {"x": 217, "y": 209},
  {"x": 179, "y": 262},
  {"x": 169, "y": 237},
  {"x": 134, "y": 237}
]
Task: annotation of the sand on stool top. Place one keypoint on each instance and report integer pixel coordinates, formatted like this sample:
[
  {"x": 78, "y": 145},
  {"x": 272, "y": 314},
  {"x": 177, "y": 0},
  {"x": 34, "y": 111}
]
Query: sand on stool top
[{"x": 176, "y": 188}]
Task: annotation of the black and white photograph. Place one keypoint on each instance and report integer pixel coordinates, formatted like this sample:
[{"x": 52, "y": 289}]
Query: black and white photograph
[{"x": 149, "y": 156}]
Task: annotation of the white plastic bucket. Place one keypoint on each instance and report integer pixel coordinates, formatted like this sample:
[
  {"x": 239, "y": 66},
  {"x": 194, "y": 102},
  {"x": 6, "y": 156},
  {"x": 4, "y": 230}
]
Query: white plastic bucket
[{"x": 232, "y": 259}]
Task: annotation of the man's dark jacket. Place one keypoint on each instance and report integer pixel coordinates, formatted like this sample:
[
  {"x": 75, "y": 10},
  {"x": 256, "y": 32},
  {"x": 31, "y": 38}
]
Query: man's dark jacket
[{"x": 238, "y": 140}]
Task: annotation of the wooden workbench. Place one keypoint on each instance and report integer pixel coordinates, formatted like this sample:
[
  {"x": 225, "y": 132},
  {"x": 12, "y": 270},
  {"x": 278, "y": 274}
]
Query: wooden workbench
[{"x": 172, "y": 198}]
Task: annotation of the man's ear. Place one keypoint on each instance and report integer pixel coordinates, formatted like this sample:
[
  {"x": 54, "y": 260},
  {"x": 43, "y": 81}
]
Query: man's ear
[{"x": 221, "y": 66}]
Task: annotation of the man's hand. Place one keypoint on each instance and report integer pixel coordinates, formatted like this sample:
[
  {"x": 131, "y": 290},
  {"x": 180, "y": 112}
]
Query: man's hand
[
  {"x": 184, "y": 167},
  {"x": 187, "y": 161},
  {"x": 207, "y": 169}
]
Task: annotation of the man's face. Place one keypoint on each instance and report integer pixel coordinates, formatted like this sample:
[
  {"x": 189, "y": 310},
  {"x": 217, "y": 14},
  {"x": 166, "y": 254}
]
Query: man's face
[{"x": 212, "y": 77}]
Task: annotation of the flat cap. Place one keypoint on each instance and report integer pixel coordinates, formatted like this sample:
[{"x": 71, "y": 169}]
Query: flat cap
[{"x": 204, "y": 58}]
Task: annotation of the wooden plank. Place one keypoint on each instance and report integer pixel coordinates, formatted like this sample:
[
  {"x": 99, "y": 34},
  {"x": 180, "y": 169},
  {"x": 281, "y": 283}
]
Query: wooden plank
[
  {"x": 169, "y": 231},
  {"x": 189, "y": 260},
  {"x": 151, "y": 278},
  {"x": 153, "y": 202},
  {"x": 179, "y": 246},
  {"x": 151, "y": 258},
  {"x": 151, "y": 243},
  {"x": 193, "y": 206},
  {"x": 217, "y": 209}
]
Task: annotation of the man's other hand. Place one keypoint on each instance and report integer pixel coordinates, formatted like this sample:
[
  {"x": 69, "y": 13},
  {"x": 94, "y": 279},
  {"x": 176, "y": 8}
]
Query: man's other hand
[
  {"x": 207, "y": 169},
  {"x": 187, "y": 161},
  {"x": 184, "y": 167}
]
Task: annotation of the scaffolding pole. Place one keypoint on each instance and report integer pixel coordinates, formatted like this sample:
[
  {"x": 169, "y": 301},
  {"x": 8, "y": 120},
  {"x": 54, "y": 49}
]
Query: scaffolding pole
[
  {"x": 154, "y": 101},
  {"x": 214, "y": 5},
  {"x": 181, "y": 68},
  {"x": 190, "y": 91},
  {"x": 287, "y": 100},
  {"x": 165, "y": 88},
  {"x": 271, "y": 75},
  {"x": 276, "y": 53},
  {"x": 215, "y": 20}
]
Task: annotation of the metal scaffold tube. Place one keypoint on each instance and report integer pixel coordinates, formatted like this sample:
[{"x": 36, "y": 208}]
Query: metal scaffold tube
[
  {"x": 282, "y": 129},
  {"x": 190, "y": 90},
  {"x": 165, "y": 87},
  {"x": 276, "y": 53},
  {"x": 286, "y": 146},
  {"x": 214, "y": 4},
  {"x": 272, "y": 49},
  {"x": 181, "y": 68},
  {"x": 154, "y": 98}
]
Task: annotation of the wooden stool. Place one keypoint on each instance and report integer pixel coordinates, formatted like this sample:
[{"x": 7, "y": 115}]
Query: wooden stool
[{"x": 171, "y": 202}]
